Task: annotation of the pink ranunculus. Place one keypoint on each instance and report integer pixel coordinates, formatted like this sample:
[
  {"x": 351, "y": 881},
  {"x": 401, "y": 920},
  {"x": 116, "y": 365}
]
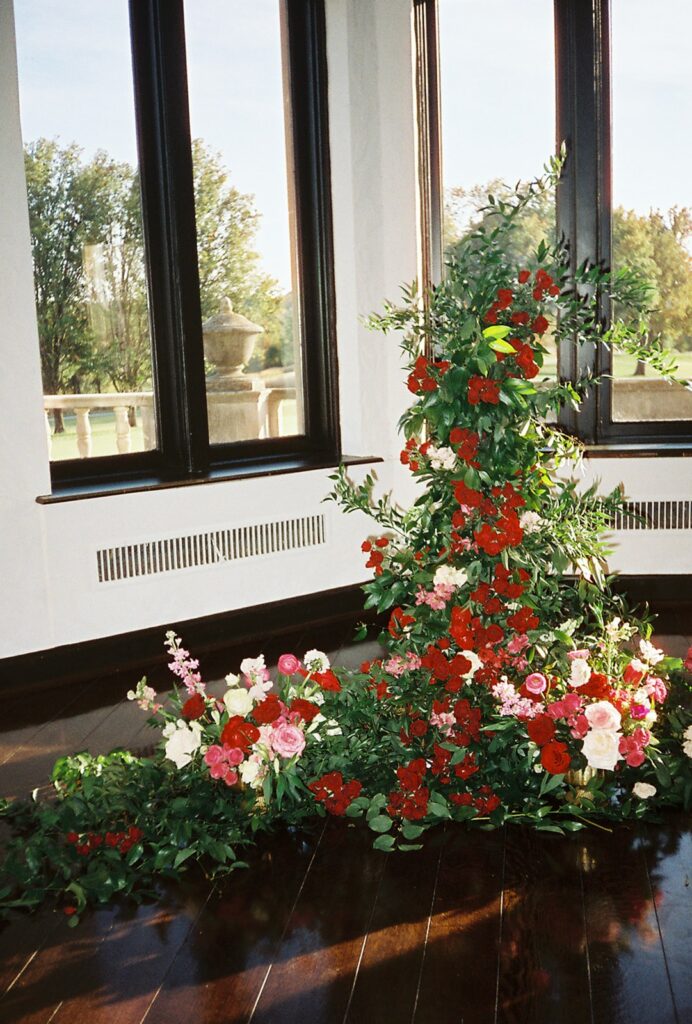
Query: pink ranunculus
[
  {"x": 573, "y": 703},
  {"x": 639, "y": 712},
  {"x": 602, "y": 715},
  {"x": 580, "y": 727},
  {"x": 632, "y": 751},
  {"x": 287, "y": 740},
  {"x": 536, "y": 683},
  {"x": 214, "y": 755},
  {"x": 641, "y": 736},
  {"x": 656, "y": 688},
  {"x": 288, "y": 664},
  {"x": 583, "y": 654}
]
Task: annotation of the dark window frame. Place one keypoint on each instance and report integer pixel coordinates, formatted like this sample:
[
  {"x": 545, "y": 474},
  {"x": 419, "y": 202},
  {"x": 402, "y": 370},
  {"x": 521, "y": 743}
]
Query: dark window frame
[
  {"x": 183, "y": 450},
  {"x": 584, "y": 202}
]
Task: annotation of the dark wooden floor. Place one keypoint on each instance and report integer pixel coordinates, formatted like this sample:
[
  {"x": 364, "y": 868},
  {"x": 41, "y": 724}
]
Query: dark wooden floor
[{"x": 506, "y": 926}]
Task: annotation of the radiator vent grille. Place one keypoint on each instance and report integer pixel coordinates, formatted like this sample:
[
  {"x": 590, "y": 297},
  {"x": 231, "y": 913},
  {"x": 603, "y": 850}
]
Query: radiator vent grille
[
  {"x": 655, "y": 515},
  {"x": 192, "y": 551}
]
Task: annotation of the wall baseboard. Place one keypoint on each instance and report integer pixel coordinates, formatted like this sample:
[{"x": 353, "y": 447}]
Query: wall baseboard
[{"x": 668, "y": 597}]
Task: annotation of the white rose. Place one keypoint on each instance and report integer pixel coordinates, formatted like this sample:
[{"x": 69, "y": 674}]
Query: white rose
[
  {"x": 447, "y": 575},
  {"x": 650, "y": 653},
  {"x": 184, "y": 741},
  {"x": 232, "y": 680},
  {"x": 687, "y": 747},
  {"x": 316, "y": 661},
  {"x": 688, "y": 733},
  {"x": 238, "y": 702},
  {"x": 580, "y": 672},
  {"x": 251, "y": 773},
  {"x": 643, "y": 790},
  {"x": 441, "y": 458},
  {"x": 600, "y": 748}
]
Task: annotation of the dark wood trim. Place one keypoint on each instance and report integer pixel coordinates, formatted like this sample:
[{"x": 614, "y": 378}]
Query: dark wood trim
[
  {"x": 137, "y": 651},
  {"x": 425, "y": 23},
  {"x": 669, "y": 598}
]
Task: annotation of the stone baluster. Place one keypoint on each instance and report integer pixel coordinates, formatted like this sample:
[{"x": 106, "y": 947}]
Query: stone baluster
[
  {"x": 83, "y": 433},
  {"x": 49, "y": 435},
  {"x": 148, "y": 426},
  {"x": 122, "y": 430}
]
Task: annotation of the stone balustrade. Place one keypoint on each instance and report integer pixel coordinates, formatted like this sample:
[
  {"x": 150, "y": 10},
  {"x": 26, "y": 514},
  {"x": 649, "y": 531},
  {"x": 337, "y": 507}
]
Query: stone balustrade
[{"x": 245, "y": 415}]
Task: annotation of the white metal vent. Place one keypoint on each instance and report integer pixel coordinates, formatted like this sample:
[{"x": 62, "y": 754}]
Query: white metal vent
[
  {"x": 194, "y": 550},
  {"x": 655, "y": 515}
]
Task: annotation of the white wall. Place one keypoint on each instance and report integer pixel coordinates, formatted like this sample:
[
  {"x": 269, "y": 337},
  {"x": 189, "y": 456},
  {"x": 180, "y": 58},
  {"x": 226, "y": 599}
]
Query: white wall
[{"x": 49, "y": 593}]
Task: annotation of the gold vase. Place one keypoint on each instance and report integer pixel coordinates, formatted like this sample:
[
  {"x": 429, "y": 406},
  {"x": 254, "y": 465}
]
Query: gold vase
[{"x": 578, "y": 779}]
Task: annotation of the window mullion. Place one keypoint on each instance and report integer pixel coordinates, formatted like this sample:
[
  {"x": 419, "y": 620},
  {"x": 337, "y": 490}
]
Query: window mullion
[{"x": 163, "y": 130}]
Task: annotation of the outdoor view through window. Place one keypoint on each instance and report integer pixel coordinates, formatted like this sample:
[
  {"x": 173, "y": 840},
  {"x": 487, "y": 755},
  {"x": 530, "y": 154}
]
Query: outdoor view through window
[
  {"x": 497, "y": 86},
  {"x": 78, "y": 122},
  {"x": 652, "y": 191}
]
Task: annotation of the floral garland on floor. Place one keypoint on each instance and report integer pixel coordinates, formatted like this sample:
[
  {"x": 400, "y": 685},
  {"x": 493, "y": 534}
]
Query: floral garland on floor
[{"x": 508, "y": 691}]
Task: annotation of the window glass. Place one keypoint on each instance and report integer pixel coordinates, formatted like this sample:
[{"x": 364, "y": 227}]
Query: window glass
[
  {"x": 652, "y": 192},
  {"x": 241, "y": 128},
  {"x": 497, "y": 84},
  {"x": 78, "y": 124}
]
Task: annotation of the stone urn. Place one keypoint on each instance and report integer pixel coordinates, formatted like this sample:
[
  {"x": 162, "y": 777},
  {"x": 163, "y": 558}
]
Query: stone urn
[{"x": 229, "y": 341}]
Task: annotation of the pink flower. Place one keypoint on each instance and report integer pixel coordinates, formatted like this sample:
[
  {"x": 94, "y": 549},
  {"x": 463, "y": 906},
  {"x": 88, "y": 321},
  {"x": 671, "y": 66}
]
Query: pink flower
[
  {"x": 288, "y": 664},
  {"x": 632, "y": 751},
  {"x": 656, "y": 688},
  {"x": 583, "y": 654},
  {"x": 580, "y": 727},
  {"x": 518, "y": 643},
  {"x": 639, "y": 711},
  {"x": 222, "y": 761},
  {"x": 602, "y": 715},
  {"x": 536, "y": 683},
  {"x": 445, "y": 721},
  {"x": 688, "y": 660},
  {"x": 287, "y": 740}
]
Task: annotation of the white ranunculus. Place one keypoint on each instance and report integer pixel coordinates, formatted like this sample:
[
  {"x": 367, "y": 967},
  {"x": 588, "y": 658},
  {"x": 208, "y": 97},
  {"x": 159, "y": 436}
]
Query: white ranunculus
[
  {"x": 238, "y": 702},
  {"x": 580, "y": 672},
  {"x": 441, "y": 458},
  {"x": 184, "y": 740},
  {"x": 643, "y": 790},
  {"x": 600, "y": 748},
  {"x": 450, "y": 577},
  {"x": 316, "y": 661},
  {"x": 687, "y": 748}
]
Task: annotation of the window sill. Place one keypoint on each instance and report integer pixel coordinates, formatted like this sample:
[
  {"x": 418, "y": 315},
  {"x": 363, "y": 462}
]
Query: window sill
[
  {"x": 270, "y": 467},
  {"x": 639, "y": 450}
]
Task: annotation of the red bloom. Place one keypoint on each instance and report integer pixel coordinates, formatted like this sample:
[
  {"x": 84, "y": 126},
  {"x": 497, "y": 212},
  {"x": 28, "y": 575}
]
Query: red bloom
[
  {"x": 268, "y": 710},
  {"x": 466, "y": 496},
  {"x": 523, "y": 277},
  {"x": 481, "y": 389},
  {"x": 540, "y": 325},
  {"x": 520, "y": 317},
  {"x": 466, "y": 441},
  {"x": 305, "y": 708},
  {"x": 523, "y": 620},
  {"x": 336, "y": 795},
  {"x": 555, "y": 758},
  {"x": 327, "y": 681},
  {"x": 398, "y": 621},
  {"x": 598, "y": 686},
  {"x": 541, "y": 729},
  {"x": 239, "y": 733},
  {"x": 418, "y": 727},
  {"x": 194, "y": 707},
  {"x": 504, "y": 298}
]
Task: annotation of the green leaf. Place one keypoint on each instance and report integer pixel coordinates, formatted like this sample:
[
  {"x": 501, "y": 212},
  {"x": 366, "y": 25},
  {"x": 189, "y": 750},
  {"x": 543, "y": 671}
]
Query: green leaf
[
  {"x": 381, "y": 823},
  {"x": 385, "y": 843},
  {"x": 183, "y": 855},
  {"x": 410, "y": 831},
  {"x": 502, "y": 346},
  {"x": 497, "y": 331}
]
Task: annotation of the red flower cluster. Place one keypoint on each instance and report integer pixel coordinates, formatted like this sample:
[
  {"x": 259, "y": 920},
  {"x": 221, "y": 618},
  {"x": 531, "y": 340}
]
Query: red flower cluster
[
  {"x": 467, "y": 496},
  {"x": 504, "y": 300},
  {"x": 122, "y": 841},
  {"x": 523, "y": 620},
  {"x": 411, "y": 800},
  {"x": 419, "y": 379},
  {"x": 327, "y": 681},
  {"x": 398, "y": 621},
  {"x": 481, "y": 389},
  {"x": 466, "y": 443},
  {"x": 305, "y": 708},
  {"x": 555, "y": 756},
  {"x": 484, "y": 803},
  {"x": 450, "y": 673},
  {"x": 268, "y": 710},
  {"x": 374, "y": 549},
  {"x": 505, "y": 533},
  {"x": 194, "y": 707},
  {"x": 470, "y": 634},
  {"x": 239, "y": 734},
  {"x": 412, "y": 452},
  {"x": 469, "y": 723},
  {"x": 334, "y": 793}
]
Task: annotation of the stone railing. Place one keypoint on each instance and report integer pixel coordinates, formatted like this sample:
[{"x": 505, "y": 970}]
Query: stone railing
[{"x": 246, "y": 415}]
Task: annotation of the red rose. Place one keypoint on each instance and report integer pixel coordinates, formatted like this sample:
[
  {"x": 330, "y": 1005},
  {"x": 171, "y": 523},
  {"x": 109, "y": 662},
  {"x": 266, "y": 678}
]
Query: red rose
[
  {"x": 327, "y": 681},
  {"x": 268, "y": 710},
  {"x": 194, "y": 707},
  {"x": 523, "y": 277},
  {"x": 520, "y": 317},
  {"x": 239, "y": 733},
  {"x": 555, "y": 758},
  {"x": 541, "y": 729},
  {"x": 305, "y": 708},
  {"x": 540, "y": 325},
  {"x": 418, "y": 727}
]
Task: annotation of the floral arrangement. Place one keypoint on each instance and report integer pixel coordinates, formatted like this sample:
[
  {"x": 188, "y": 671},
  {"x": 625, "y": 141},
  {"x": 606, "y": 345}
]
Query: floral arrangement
[{"x": 513, "y": 684}]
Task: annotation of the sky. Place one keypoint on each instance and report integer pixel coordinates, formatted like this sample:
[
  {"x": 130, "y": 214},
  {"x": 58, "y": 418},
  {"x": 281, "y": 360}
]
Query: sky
[{"x": 498, "y": 106}]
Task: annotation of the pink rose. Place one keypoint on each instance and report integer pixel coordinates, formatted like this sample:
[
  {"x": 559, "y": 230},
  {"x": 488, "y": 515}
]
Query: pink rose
[
  {"x": 288, "y": 664},
  {"x": 519, "y": 643},
  {"x": 578, "y": 654},
  {"x": 536, "y": 683},
  {"x": 580, "y": 727},
  {"x": 287, "y": 740},
  {"x": 602, "y": 715}
]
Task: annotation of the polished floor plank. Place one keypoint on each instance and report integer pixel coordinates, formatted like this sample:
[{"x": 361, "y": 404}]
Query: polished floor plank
[
  {"x": 313, "y": 974},
  {"x": 629, "y": 979},
  {"x": 668, "y": 853},
  {"x": 387, "y": 980},
  {"x": 543, "y": 959},
  {"x": 218, "y": 973},
  {"x": 22, "y": 936},
  {"x": 459, "y": 974}
]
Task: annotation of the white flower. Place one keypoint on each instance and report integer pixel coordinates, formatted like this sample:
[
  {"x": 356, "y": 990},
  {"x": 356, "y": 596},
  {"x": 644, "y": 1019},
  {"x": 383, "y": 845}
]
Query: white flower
[
  {"x": 252, "y": 772},
  {"x": 643, "y": 790},
  {"x": 650, "y": 653},
  {"x": 449, "y": 576},
  {"x": 253, "y": 666},
  {"x": 600, "y": 748},
  {"x": 259, "y": 689},
  {"x": 613, "y": 628},
  {"x": 476, "y": 663},
  {"x": 530, "y": 521},
  {"x": 580, "y": 672},
  {"x": 316, "y": 661},
  {"x": 687, "y": 747},
  {"x": 441, "y": 458},
  {"x": 238, "y": 702},
  {"x": 232, "y": 680},
  {"x": 688, "y": 733},
  {"x": 184, "y": 740}
]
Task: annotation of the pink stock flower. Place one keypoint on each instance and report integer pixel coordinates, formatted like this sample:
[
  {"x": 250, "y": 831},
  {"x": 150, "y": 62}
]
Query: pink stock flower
[
  {"x": 288, "y": 664},
  {"x": 445, "y": 721},
  {"x": 287, "y": 740},
  {"x": 183, "y": 666},
  {"x": 397, "y": 665},
  {"x": 536, "y": 683}
]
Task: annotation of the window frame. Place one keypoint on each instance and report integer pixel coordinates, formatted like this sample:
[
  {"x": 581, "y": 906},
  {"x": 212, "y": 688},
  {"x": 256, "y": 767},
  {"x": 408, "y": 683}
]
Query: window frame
[
  {"x": 183, "y": 452},
  {"x": 584, "y": 203}
]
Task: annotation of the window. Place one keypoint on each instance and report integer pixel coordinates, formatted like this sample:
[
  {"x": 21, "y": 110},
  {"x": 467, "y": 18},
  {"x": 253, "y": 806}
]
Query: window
[
  {"x": 186, "y": 149},
  {"x": 624, "y": 194}
]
